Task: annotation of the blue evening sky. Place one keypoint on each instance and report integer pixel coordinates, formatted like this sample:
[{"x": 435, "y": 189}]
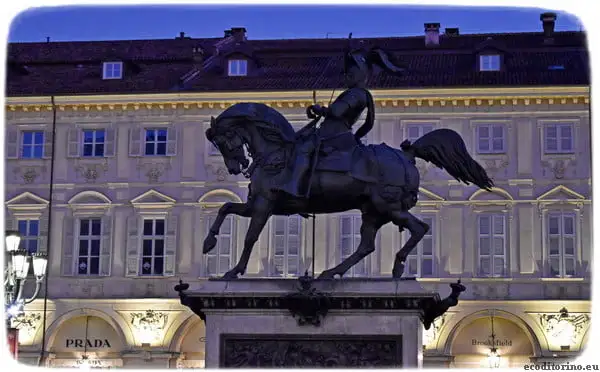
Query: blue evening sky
[{"x": 266, "y": 22}]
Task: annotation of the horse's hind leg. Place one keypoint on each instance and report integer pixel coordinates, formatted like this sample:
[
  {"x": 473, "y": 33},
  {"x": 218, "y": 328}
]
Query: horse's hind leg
[
  {"x": 241, "y": 209},
  {"x": 371, "y": 223},
  {"x": 417, "y": 229}
]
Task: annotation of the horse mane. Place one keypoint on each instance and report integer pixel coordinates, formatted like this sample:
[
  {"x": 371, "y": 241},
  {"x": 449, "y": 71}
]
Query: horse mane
[{"x": 270, "y": 121}]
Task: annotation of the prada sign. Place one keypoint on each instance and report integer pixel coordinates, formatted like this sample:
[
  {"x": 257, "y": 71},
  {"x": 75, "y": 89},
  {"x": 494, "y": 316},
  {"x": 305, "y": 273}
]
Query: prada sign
[{"x": 81, "y": 343}]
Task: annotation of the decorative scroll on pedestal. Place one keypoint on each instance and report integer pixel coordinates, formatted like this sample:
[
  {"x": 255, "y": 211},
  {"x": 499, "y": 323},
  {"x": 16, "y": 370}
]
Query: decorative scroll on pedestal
[{"x": 277, "y": 351}]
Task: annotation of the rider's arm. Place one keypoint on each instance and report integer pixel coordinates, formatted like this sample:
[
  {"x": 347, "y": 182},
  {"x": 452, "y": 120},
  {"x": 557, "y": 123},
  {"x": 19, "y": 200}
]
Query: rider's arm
[{"x": 354, "y": 98}]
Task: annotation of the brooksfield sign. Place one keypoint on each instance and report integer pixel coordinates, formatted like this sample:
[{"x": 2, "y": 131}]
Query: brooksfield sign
[
  {"x": 94, "y": 342},
  {"x": 504, "y": 342}
]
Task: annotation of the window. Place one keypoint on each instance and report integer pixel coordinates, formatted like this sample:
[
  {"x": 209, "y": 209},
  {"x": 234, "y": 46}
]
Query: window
[
  {"x": 156, "y": 141},
  {"x": 32, "y": 145},
  {"x": 93, "y": 142},
  {"x": 490, "y": 139},
  {"x": 558, "y": 138},
  {"x": 420, "y": 260},
  {"x": 113, "y": 70},
  {"x": 238, "y": 67},
  {"x": 416, "y": 131},
  {"x": 218, "y": 261},
  {"x": 561, "y": 244},
  {"x": 286, "y": 243},
  {"x": 89, "y": 238},
  {"x": 30, "y": 233},
  {"x": 349, "y": 241},
  {"x": 153, "y": 246},
  {"x": 492, "y": 245},
  {"x": 489, "y": 62}
]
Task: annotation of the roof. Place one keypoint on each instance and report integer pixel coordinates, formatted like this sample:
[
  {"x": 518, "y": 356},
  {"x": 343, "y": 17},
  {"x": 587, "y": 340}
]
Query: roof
[{"x": 167, "y": 65}]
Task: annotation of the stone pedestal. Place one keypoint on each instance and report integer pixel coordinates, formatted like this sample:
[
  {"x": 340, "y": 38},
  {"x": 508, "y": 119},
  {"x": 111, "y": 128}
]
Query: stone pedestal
[{"x": 304, "y": 323}]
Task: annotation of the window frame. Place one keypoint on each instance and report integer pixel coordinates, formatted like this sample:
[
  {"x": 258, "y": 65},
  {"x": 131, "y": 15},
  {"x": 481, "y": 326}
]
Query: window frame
[
  {"x": 490, "y": 62},
  {"x": 421, "y": 128},
  {"x": 286, "y": 256},
  {"x": 94, "y": 142},
  {"x": 490, "y": 148},
  {"x": 32, "y": 145},
  {"x": 156, "y": 142},
  {"x": 26, "y": 238},
  {"x": 154, "y": 237},
  {"x": 557, "y": 126},
  {"x": 562, "y": 256},
  {"x": 491, "y": 235},
  {"x": 235, "y": 67},
  {"x": 89, "y": 238},
  {"x": 108, "y": 70}
]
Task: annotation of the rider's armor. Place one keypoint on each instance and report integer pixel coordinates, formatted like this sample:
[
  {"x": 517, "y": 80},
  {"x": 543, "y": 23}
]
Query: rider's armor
[{"x": 334, "y": 135}]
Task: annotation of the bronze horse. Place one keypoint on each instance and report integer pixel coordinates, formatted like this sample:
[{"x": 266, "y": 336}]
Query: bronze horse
[{"x": 270, "y": 141}]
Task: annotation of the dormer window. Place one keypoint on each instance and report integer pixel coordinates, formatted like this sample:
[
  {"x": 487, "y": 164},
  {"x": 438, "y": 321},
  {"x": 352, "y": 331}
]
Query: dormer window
[
  {"x": 112, "y": 70},
  {"x": 238, "y": 67},
  {"x": 489, "y": 62}
]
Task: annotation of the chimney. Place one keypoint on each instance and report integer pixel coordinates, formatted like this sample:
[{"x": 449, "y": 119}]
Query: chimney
[
  {"x": 239, "y": 33},
  {"x": 181, "y": 35},
  {"x": 198, "y": 56},
  {"x": 432, "y": 34},
  {"x": 548, "y": 22},
  {"x": 452, "y": 32}
]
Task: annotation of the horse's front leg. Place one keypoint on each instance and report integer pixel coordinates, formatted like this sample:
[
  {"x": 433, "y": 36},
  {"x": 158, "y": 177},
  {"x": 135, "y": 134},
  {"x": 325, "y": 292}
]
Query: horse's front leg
[
  {"x": 241, "y": 209},
  {"x": 260, "y": 213},
  {"x": 368, "y": 231},
  {"x": 417, "y": 229}
]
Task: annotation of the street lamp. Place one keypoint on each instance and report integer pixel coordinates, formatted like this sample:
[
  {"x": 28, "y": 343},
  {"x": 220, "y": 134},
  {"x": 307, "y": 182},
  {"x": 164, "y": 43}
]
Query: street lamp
[
  {"x": 15, "y": 274},
  {"x": 493, "y": 358}
]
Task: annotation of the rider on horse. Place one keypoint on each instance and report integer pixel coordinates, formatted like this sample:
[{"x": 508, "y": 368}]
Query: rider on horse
[{"x": 335, "y": 133}]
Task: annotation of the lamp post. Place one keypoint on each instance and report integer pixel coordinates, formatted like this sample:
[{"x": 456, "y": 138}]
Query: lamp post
[{"x": 15, "y": 274}]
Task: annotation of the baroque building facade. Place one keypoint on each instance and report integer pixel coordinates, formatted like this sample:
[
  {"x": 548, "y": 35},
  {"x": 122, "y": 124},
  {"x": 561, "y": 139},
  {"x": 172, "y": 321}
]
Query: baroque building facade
[{"x": 118, "y": 186}]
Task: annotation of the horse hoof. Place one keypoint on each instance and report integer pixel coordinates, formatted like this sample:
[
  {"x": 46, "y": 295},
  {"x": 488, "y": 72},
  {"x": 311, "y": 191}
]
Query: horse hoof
[
  {"x": 230, "y": 275},
  {"x": 327, "y": 275},
  {"x": 398, "y": 271},
  {"x": 209, "y": 244}
]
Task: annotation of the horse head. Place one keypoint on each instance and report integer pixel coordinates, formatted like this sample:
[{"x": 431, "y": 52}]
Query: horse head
[
  {"x": 255, "y": 125},
  {"x": 224, "y": 134}
]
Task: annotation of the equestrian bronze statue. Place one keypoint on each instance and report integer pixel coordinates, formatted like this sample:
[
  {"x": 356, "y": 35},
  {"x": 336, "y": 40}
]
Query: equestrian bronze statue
[{"x": 324, "y": 167}]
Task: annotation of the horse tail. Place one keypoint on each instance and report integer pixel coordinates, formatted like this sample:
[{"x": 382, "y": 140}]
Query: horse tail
[{"x": 446, "y": 149}]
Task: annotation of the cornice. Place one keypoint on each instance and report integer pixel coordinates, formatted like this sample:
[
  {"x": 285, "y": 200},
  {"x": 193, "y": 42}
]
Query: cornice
[{"x": 300, "y": 99}]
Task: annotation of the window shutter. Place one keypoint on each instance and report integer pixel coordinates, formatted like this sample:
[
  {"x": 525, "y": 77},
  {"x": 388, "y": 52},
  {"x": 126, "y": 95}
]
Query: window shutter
[
  {"x": 10, "y": 224},
  {"x": 109, "y": 142},
  {"x": 106, "y": 247},
  {"x": 12, "y": 144},
  {"x": 43, "y": 237},
  {"x": 133, "y": 243},
  {"x": 135, "y": 141},
  {"x": 170, "y": 246},
  {"x": 171, "y": 141},
  {"x": 73, "y": 146},
  {"x": 48, "y": 142},
  {"x": 68, "y": 246}
]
